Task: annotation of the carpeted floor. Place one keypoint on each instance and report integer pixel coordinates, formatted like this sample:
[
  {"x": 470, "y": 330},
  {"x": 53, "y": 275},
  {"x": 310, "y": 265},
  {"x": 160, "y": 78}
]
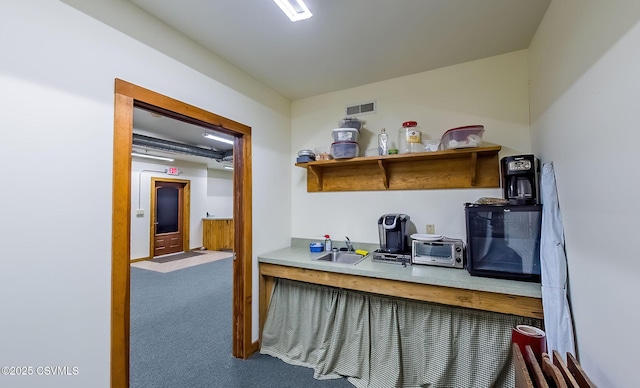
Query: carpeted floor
[
  {"x": 175, "y": 256},
  {"x": 181, "y": 334},
  {"x": 170, "y": 263}
]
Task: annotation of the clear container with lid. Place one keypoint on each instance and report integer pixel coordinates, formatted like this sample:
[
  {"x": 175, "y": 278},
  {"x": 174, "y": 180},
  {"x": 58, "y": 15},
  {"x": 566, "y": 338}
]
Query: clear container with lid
[
  {"x": 351, "y": 122},
  {"x": 345, "y": 134},
  {"x": 409, "y": 138}
]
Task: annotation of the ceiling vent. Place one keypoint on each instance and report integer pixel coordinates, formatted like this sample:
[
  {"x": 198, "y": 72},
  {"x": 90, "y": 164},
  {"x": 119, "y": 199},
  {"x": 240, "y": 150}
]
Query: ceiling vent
[{"x": 362, "y": 108}]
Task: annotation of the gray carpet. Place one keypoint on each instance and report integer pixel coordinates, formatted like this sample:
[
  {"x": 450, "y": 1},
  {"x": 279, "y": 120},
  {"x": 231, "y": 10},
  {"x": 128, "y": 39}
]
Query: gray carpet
[{"x": 181, "y": 335}]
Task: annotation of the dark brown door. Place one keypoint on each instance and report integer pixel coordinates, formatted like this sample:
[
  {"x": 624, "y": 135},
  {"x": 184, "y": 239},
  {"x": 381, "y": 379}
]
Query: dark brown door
[{"x": 169, "y": 211}]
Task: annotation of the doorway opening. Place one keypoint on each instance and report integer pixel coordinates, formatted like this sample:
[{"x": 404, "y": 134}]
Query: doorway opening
[{"x": 127, "y": 97}]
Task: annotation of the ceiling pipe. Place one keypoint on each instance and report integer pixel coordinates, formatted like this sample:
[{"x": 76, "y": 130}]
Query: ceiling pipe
[{"x": 171, "y": 146}]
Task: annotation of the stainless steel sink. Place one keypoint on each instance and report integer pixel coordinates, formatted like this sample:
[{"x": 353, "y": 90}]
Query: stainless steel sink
[{"x": 341, "y": 257}]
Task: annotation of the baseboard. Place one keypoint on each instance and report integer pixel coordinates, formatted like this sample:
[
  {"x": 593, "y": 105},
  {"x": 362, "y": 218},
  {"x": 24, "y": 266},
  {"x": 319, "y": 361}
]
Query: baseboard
[
  {"x": 255, "y": 346},
  {"x": 140, "y": 259}
]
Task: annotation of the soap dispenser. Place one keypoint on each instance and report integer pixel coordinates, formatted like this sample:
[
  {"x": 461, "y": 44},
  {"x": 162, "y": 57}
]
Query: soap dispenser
[{"x": 327, "y": 243}]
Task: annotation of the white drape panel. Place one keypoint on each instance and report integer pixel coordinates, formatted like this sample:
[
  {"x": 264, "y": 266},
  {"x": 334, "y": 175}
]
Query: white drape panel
[{"x": 557, "y": 314}]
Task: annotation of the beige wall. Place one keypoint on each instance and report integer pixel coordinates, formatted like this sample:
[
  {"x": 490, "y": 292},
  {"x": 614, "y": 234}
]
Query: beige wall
[
  {"x": 584, "y": 101},
  {"x": 492, "y": 92}
]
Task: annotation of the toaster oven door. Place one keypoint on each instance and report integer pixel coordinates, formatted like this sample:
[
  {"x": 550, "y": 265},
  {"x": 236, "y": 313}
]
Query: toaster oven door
[{"x": 433, "y": 253}]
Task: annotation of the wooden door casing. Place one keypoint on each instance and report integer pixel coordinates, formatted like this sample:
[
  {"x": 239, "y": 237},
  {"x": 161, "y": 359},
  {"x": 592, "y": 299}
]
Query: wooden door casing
[{"x": 126, "y": 96}]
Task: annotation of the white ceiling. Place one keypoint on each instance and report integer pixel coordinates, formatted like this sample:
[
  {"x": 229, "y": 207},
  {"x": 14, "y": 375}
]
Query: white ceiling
[
  {"x": 346, "y": 43},
  {"x": 349, "y": 43},
  {"x": 166, "y": 128}
]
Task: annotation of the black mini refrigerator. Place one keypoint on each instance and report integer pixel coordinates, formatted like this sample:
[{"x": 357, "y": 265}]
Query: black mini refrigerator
[{"x": 504, "y": 241}]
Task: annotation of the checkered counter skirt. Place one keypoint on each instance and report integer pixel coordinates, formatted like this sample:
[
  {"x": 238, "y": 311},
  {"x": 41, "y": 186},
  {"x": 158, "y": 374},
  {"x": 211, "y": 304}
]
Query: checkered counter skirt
[{"x": 378, "y": 341}]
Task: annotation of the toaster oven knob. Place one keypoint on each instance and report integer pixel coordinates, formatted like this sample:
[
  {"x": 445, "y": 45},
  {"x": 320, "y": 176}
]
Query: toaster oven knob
[
  {"x": 458, "y": 260},
  {"x": 458, "y": 249}
]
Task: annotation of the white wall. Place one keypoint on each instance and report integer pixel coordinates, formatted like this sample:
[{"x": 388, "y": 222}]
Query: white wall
[
  {"x": 143, "y": 171},
  {"x": 492, "y": 92},
  {"x": 584, "y": 101},
  {"x": 127, "y": 18},
  {"x": 57, "y": 81},
  {"x": 211, "y": 191},
  {"x": 219, "y": 193}
]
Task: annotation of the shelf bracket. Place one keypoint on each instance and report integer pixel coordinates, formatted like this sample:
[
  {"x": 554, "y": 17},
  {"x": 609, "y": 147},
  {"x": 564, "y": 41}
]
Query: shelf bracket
[
  {"x": 474, "y": 163},
  {"x": 385, "y": 176},
  {"x": 317, "y": 173}
]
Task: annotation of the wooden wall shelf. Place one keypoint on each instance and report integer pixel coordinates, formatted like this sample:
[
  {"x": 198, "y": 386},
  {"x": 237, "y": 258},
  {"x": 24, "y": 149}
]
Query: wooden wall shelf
[{"x": 451, "y": 169}]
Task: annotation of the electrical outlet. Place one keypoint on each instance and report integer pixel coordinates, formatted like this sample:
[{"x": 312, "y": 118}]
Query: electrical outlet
[
  {"x": 140, "y": 212},
  {"x": 431, "y": 229}
]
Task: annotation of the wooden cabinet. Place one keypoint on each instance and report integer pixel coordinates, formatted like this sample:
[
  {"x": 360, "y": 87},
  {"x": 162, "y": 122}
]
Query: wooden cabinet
[
  {"x": 450, "y": 169},
  {"x": 217, "y": 234}
]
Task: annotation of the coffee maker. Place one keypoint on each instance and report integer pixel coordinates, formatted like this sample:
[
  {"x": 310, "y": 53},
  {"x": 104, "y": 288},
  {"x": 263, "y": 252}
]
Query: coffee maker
[
  {"x": 394, "y": 233},
  {"x": 520, "y": 179}
]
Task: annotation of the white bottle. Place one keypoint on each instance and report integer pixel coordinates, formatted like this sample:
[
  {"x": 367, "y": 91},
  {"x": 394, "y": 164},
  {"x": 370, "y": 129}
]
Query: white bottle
[{"x": 327, "y": 243}]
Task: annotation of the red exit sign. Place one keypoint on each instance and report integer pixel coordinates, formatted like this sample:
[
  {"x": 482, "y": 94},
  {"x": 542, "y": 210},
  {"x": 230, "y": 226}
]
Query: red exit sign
[{"x": 173, "y": 171}]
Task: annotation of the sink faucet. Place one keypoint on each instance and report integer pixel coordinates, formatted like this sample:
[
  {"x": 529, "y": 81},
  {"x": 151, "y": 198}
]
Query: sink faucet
[{"x": 348, "y": 243}]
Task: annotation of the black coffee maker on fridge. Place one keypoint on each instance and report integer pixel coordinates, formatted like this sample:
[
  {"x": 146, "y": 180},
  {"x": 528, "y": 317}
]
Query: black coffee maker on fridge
[{"x": 520, "y": 179}]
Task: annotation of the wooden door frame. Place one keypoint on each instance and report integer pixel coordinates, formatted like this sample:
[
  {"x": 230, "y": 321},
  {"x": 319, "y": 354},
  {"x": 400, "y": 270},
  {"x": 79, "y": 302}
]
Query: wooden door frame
[
  {"x": 126, "y": 97},
  {"x": 186, "y": 212}
]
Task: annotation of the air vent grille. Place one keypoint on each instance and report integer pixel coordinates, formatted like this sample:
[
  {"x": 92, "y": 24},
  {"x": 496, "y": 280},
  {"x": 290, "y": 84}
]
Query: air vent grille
[{"x": 362, "y": 108}]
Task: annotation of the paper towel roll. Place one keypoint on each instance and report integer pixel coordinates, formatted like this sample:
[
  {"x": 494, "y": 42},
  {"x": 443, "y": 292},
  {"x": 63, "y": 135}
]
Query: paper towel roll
[{"x": 524, "y": 335}]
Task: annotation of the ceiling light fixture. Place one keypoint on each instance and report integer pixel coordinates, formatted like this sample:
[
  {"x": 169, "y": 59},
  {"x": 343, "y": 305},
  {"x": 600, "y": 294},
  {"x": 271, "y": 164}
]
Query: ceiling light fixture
[
  {"x": 217, "y": 138},
  {"x": 227, "y": 167},
  {"x": 151, "y": 156},
  {"x": 294, "y": 9}
]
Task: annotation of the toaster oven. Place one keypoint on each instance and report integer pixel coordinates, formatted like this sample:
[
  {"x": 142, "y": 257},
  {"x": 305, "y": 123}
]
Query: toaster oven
[{"x": 447, "y": 252}]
